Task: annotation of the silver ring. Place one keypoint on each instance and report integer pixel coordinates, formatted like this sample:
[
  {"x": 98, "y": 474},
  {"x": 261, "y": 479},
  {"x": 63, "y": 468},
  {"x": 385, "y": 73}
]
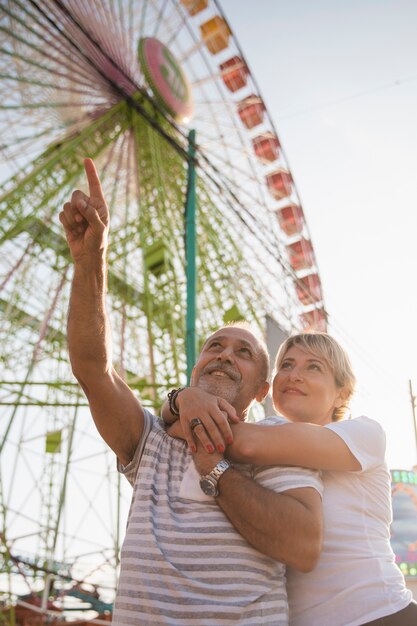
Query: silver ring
[{"x": 196, "y": 421}]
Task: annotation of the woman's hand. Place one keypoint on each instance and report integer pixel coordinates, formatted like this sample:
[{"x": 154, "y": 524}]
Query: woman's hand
[{"x": 214, "y": 432}]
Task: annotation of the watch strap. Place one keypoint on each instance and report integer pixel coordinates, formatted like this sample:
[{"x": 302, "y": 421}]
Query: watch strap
[{"x": 219, "y": 469}]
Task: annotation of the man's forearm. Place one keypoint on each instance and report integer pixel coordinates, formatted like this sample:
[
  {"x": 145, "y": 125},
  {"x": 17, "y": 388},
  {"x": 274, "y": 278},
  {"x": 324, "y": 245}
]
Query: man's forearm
[
  {"x": 89, "y": 337},
  {"x": 279, "y": 525}
]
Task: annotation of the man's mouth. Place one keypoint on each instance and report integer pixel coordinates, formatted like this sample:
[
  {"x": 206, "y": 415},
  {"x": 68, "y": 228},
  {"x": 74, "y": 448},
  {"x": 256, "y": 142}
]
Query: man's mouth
[{"x": 221, "y": 373}]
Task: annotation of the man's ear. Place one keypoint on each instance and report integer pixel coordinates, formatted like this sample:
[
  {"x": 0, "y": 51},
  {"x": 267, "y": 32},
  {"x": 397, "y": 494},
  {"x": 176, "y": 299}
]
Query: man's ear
[
  {"x": 192, "y": 378},
  {"x": 262, "y": 392}
]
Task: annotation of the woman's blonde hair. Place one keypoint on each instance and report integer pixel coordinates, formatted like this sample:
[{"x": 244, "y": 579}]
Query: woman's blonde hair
[{"x": 327, "y": 348}]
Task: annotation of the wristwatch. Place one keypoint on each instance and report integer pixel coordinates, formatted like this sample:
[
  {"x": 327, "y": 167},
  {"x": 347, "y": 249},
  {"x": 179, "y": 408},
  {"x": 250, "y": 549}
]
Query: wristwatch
[{"x": 208, "y": 483}]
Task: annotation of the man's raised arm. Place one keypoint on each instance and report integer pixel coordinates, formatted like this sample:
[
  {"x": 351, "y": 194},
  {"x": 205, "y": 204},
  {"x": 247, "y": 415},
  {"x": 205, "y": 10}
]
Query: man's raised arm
[{"x": 117, "y": 413}]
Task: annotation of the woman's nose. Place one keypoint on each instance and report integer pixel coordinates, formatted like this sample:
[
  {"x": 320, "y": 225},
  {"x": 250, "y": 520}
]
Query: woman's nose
[{"x": 295, "y": 374}]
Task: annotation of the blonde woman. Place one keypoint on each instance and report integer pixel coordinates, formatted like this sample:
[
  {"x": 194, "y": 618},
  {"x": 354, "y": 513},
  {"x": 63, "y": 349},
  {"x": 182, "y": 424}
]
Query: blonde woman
[{"x": 356, "y": 581}]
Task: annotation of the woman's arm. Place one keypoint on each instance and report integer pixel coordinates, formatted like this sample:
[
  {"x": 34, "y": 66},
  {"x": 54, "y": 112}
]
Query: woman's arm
[{"x": 307, "y": 445}]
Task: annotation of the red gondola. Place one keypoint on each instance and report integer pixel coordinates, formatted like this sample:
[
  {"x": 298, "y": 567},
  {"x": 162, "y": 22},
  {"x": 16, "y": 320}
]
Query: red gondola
[
  {"x": 279, "y": 184},
  {"x": 266, "y": 147},
  {"x": 301, "y": 254},
  {"x": 251, "y": 111},
  {"x": 234, "y": 73},
  {"x": 309, "y": 289},
  {"x": 315, "y": 320},
  {"x": 291, "y": 219}
]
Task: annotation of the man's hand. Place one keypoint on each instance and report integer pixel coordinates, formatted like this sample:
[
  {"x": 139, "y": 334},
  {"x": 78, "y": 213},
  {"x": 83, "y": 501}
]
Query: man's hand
[
  {"x": 205, "y": 461},
  {"x": 175, "y": 430},
  {"x": 86, "y": 218}
]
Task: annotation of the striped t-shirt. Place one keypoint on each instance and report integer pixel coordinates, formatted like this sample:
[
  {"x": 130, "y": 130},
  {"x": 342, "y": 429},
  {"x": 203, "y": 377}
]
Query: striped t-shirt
[{"x": 182, "y": 562}]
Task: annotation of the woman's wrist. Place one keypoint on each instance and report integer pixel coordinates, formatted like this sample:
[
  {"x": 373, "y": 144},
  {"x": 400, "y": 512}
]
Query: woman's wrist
[
  {"x": 172, "y": 401},
  {"x": 170, "y": 412}
]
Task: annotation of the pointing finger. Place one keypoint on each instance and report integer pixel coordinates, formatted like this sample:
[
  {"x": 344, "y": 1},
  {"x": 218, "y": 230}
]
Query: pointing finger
[{"x": 94, "y": 184}]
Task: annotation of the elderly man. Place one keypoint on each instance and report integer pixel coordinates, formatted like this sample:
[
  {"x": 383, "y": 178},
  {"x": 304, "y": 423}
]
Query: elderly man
[{"x": 206, "y": 541}]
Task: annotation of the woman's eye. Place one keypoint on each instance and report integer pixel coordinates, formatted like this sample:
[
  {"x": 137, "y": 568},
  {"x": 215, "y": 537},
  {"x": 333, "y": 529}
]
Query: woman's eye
[
  {"x": 285, "y": 365},
  {"x": 315, "y": 366}
]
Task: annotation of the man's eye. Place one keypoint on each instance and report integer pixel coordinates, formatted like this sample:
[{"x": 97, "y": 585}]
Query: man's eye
[{"x": 245, "y": 351}]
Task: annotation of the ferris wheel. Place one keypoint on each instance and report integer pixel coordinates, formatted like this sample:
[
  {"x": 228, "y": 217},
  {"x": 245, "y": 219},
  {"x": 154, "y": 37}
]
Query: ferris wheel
[{"x": 124, "y": 81}]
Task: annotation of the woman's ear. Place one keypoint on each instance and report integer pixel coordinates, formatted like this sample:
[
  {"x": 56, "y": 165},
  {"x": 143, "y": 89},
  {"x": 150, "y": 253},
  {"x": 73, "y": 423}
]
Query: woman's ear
[{"x": 341, "y": 398}]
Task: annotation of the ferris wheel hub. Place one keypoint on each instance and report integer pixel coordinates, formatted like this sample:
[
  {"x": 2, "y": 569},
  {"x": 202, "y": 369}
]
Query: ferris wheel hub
[{"x": 166, "y": 79}]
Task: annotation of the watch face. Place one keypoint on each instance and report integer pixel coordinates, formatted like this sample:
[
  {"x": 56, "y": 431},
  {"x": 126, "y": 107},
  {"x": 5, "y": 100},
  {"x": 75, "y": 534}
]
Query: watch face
[{"x": 208, "y": 487}]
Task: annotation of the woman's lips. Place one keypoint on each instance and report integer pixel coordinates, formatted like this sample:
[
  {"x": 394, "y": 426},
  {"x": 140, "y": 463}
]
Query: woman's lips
[{"x": 294, "y": 391}]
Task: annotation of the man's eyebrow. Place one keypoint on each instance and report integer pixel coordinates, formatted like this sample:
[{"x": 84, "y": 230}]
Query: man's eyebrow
[
  {"x": 211, "y": 339},
  {"x": 248, "y": 344},
  {"x": 242, "y": 342}
]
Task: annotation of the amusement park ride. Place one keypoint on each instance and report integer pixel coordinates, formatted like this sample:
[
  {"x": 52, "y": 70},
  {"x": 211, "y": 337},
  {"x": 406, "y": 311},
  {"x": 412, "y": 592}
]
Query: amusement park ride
[{"x": 122, "y": 81}]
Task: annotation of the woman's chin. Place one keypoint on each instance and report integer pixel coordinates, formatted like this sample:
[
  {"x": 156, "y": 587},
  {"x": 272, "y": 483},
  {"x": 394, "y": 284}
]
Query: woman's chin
[{"x": 294, "y": 416}]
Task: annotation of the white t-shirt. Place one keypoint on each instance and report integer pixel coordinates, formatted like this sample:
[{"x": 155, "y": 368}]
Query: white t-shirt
[
  {"x": 356, "y": 579},
  {"x": 183, "y": 563}
]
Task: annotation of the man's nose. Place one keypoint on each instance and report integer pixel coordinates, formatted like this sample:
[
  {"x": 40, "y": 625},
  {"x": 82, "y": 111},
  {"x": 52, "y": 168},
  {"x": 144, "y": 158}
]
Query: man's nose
[{"x": 226, "y": 354}]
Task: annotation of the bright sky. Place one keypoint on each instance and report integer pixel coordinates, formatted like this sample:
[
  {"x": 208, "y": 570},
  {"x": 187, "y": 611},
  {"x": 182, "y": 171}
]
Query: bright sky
[{"x": 339, "y": 78}]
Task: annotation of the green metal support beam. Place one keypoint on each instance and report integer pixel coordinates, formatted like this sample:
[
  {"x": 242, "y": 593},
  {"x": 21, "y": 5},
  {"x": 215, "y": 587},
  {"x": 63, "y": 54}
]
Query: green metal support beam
[{"x": 191, "y": 260}]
